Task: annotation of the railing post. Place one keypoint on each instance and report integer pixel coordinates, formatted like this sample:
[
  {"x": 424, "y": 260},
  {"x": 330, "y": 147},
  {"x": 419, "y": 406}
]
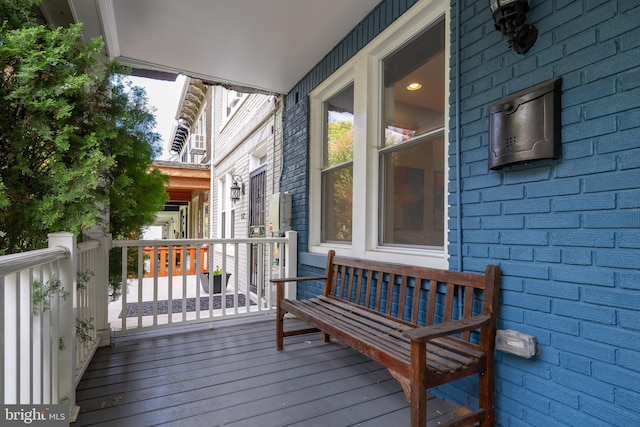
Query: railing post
[
  {"x": 103, "y": 328},
  {"x": 68, "y": 272},
  {"x": 291, "y": 262}
]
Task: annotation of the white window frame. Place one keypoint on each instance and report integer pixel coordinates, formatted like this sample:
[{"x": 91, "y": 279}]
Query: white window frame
[
  {"x": 200, "y": 129},
  {"x": 225, "y": 102},
  {"x": 365, "y": 71}
]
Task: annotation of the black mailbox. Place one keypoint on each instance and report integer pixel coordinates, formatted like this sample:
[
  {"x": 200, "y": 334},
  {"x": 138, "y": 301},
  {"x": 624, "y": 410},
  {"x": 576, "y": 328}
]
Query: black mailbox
[{"x": 525, "y": 126}]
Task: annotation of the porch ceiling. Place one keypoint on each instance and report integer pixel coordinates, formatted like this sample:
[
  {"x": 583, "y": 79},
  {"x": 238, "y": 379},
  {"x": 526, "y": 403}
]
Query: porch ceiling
[{"x": 264, "y": 45}]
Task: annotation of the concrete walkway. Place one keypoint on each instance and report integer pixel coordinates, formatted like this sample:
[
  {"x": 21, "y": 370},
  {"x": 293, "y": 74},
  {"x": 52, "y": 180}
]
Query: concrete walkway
[{"x": 160, "y": 289}]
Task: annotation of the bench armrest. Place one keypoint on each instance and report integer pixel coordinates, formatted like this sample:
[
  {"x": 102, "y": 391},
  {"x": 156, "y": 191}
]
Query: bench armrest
[
  {"x": 280, "y": 284},
  {"x": 426, "y": 333},
  {"x": 297, "y": 279}
]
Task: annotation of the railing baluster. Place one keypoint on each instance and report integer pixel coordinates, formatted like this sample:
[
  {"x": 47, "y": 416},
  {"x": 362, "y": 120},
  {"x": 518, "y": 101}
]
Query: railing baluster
[
  {"x": 155, "y": 289},
  {"x": 183, "y": 270},
  {"x": 140, "y": 282},
  {"x": 197, "y": 272},
  {"x": 123, "y": 287},
  {"x": 170, "y": 285}
]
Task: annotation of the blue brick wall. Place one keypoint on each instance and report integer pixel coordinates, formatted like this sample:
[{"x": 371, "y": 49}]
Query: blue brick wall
[{"x": 565, "y": 232}]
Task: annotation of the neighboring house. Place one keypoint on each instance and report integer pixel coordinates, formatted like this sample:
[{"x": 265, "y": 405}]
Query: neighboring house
[
  {"x": 413, "y": 185},
  {"x": 246, "y": 135},
  {"x": 238, "y": 136},
  {"x": 186, "y": 214}
]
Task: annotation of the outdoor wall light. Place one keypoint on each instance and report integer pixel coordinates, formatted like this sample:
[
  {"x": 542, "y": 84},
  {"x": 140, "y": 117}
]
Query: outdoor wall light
[
  {"x": 236, "y": 190},
  {"x": 510, "y": 18}
]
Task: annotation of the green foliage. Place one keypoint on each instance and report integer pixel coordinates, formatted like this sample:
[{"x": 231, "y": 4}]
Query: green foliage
[
  {"x": 84, "y": 279},
  {"x": 83, "y": 330},
  {"x": 18, "y": 13},
  {"x": 339, "y": 142},
  {"x": 340, "y": 152},
  {"x": 217, "y": 271},
  {"x": 42, "y": 293},
  {"x": 76, "y": 141}
]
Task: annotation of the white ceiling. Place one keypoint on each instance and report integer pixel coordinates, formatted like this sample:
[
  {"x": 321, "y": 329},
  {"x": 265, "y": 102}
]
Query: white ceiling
[{"x": 264, "y": 44}]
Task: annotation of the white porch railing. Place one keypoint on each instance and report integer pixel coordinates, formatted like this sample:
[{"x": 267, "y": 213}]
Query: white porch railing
[
  {"x": 153, "y": 295},
  {"x": 55, "y": 309},
  {"x": 49, "y": 319}
]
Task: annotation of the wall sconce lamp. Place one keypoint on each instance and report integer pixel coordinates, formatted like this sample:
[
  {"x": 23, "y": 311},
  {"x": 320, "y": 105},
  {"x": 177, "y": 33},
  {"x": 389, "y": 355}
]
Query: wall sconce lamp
[
  {"x": 510, "y": 18},
  {"x": 236, "y": 190}
]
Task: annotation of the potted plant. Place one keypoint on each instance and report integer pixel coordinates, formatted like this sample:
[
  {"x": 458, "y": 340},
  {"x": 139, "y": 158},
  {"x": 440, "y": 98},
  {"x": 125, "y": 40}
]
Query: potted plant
[{"x": 217, "y": 280}]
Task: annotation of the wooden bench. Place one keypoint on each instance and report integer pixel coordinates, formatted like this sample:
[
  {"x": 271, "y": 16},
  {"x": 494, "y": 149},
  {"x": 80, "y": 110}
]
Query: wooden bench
[{"x": 376, "y": 308}]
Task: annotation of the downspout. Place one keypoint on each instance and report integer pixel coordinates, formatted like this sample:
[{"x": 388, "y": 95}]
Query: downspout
[
  {"x": 212, "y": 173},
  {"x": 212, "y": 169},
  {"x": 458, "y": 142}
]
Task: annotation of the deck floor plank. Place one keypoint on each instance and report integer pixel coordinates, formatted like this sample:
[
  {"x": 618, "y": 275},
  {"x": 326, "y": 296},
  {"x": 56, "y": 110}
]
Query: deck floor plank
[{"x": 232, "y": 375}]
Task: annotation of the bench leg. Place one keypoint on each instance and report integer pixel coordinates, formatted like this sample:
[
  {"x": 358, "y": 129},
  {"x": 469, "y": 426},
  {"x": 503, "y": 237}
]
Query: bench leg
[
  {"x": 279, "y": 316},
  {"x": 326, "y": 338},
  {"x": 279, "y": 329},
  {"x": 418, "y": 393},
  {"x": 486, "y": 394}
]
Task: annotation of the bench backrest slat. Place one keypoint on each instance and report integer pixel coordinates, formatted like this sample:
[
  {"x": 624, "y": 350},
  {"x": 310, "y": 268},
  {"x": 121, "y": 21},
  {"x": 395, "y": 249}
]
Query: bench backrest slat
[
  {"x": 448, "y": 305},
  {"x": 415, "y": 309},
  {"x": 390, "y": 287},
  {"x": 378, "y": 292},
  {"x": 413, "y": 294},
  {"x": 468, "y": 308},
  {"x": 367, "y": 295},
  {"x": 431, "y": 311},
  {"x": 403, "y": 295}
]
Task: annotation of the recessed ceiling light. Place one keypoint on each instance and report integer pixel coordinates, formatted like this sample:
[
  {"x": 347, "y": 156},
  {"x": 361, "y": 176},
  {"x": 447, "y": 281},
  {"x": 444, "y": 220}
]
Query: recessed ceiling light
[{"x": 414, "y": 86}]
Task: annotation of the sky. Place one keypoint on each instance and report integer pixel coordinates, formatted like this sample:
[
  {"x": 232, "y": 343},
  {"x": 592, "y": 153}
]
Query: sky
[{"x": 164, "y": 96}]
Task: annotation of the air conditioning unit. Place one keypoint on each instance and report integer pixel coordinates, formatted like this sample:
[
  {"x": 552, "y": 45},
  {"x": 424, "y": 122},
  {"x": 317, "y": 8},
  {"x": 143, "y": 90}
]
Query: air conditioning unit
[{"x": 197, "y": 144}]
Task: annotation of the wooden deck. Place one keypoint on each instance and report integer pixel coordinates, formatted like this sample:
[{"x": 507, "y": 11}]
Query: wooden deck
[{"x": 232, "y": 375}]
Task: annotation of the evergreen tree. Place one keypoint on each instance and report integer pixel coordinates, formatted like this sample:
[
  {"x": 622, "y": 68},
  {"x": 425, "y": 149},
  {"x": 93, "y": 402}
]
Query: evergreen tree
[{"x": 76, "y": 142}]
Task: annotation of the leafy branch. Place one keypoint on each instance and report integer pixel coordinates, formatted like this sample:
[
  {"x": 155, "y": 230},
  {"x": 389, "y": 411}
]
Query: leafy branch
[
  {"x": 84, "y": 279},
  {"x": 83, "y": 330},
  {"x": 42, "y": 294}
]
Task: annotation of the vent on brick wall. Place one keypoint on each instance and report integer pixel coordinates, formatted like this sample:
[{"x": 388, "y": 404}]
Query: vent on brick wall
[{"x": 525, "y": 126}]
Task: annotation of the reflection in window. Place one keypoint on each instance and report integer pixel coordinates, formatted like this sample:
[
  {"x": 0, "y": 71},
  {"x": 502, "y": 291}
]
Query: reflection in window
[
  {"x": 412, "y": 152},
  {"x": 337, "y": 173},
  {"x": 410, "y": 113},
  {"x": 413, "y": 185}
]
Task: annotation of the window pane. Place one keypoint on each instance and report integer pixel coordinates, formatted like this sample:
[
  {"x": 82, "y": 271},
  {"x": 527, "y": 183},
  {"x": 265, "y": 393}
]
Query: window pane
[
  {"x": 414, "y": 87},
  {"x": 337, "y": 176},
  {"x": 338, "y": 146},
  {"x": 337, "y": 185},
  {"x": 413, "y": 194}
]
